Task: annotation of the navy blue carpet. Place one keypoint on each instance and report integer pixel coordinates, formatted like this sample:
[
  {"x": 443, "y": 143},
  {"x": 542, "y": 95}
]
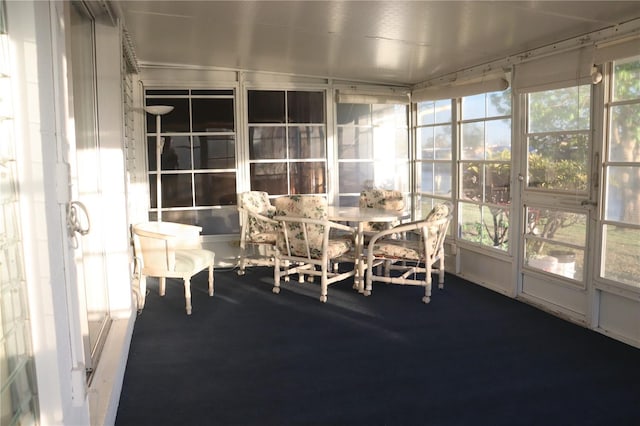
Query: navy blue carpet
[{"x": 247, "y": 356}]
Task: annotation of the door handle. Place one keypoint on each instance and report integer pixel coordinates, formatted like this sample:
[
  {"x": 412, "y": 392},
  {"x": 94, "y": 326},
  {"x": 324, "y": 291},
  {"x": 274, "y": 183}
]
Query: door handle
[
  {"x": 588, "y": 203},
  {"x": 74, "y": 222}
]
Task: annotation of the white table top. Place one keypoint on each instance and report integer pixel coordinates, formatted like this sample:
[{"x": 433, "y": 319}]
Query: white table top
[{"x": 357, "y": 214}]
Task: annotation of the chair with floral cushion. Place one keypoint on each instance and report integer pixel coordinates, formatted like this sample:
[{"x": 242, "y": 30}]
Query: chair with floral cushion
[
  {"x": 258, "y": 230},
  {"x": 384, "y": 199},
  {"x": 411, "y": 252},
  {"x": 304, "y": 246}
]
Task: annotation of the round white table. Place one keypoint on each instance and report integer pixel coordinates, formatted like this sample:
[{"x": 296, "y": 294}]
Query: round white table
[{"x": 362, "y": 215}]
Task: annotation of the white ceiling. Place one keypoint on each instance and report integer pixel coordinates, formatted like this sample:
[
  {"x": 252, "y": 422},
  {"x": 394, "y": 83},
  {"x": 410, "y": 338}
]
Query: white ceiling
[{"x": 391, "y": 42}]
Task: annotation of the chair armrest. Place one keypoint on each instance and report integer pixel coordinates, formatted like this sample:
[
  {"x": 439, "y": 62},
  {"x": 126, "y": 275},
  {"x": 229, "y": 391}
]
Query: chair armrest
[
  {"x": 416, "y": 225},
  {"x": 321, "y": 222}
]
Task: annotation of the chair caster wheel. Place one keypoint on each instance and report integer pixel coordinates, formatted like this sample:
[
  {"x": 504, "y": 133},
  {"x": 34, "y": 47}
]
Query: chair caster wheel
[
  {"x": 323, "y": 299},
  {"x": 367, "y": 293},
  {"x": 440, "y": 286},
  {"x": 240, "y": 272},
  {"x": 276, "y": 290},
  {"x": 426, "y": 299}
]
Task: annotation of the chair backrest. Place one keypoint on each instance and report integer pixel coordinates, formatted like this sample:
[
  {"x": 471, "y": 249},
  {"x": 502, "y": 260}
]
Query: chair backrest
[
  {"x": 256, "y": 202},
  {"x": 302, "y": 238},
  {"x": 384, "y": 199},
  {"x": 439, "y": 211},
  {"x": 437, "y": 224},
  {"x": 157, "y": 242}
]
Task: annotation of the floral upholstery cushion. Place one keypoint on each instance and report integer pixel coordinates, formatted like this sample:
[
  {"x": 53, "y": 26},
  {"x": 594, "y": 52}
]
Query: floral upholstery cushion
[
  {"x": 258, "y": 202},
  {"x": 410, "y": 250},
  {"x": 384, "y": 199},
  {"x": 311, "y": 207},
  {"x": 439, "y": 211}
]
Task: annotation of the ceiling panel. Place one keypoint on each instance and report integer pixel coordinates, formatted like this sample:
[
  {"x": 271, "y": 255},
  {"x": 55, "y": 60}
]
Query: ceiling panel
[{"x": 393, "y": 42}]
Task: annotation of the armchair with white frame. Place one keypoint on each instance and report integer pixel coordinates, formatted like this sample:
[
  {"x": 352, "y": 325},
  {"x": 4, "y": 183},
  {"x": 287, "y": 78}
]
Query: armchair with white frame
[
  {"x": 170, "y": 250},
  {"x": 410, "y": 252},
  {"x": 304, "y": 244},
  {"x": 258, "y": 230}
]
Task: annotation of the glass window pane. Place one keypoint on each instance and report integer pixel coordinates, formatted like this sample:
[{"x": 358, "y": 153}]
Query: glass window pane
[
  {"x": 151, "y": 153},
  {"x": 499, "y": 103},
  {"x": 495, "y": 227},
  {"x": 497, "y": 186},
  {"x": 472, "y": 141},
  {"x": 443, "y": 111},
  {"x": 626, "y": 79},
  {"x": 391, "y": 115},
  {"x": 355, "y": 143},
  {"x": 470, "y": 222},
  {"x": 266, "y": 106},
  {"x": 498, "y": 140},
  {"x": 176, "y": 190},
  {"x": 558, "y": 162},
  {"x": 355, "y": 176},
  {"x": 212, "y": 115},
  {"x": 216, "y": 221},
  {"x": 434, "y": 112},
  {"x": 267, "y": 143},
  {"x": 472, "y": 181},
  {"x": 425, "y": 142},
  {"x": 353, "y": 114},
  {"x": 215, "y": 189},
  {"x": 442, "y": 142},
  {"x": 624, "y": 138},
  {"x": 391, "y": 174},
  {"x": 555, "y": 259},
  {"x": 621, "y": 258},
  {"x": 306, "y": 142},
  {"x": 308, "y": 178},
  {"x": 305, "y": 107},
  {"x": 174, "y": 121},
  {"x": 270, "y": 177},
  {"x": 559, "y": 110},
  {"x": 474, "y": 107},
  {"x": 176, "y": 153},
  {"x": 425, "y": 177},
  {"x": 426, "y": 113},
  {"x": 442, "y": 179},
  {"x": 556, "y": 225},
  {"x": 214, "y": 152},
  {"x": 213, "y": 92},
  {"x": 389, "y": 142},
  {"x": 623, "y": 187}
]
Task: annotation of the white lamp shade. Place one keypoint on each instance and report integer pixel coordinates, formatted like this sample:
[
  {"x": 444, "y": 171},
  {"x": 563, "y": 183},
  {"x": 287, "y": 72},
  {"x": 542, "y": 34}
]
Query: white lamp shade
[{"x": 159, "y": 109}]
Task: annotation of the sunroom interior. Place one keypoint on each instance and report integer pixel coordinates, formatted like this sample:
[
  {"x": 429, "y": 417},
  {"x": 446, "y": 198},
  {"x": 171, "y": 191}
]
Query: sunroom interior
[
  {"x": 523, "y": 115},
  {"x": 530, "y": 138}
]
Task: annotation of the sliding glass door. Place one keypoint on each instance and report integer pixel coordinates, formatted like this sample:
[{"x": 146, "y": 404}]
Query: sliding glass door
[
  {"x": 87, "y": 188},
  {"x": 620, "y": 260}
]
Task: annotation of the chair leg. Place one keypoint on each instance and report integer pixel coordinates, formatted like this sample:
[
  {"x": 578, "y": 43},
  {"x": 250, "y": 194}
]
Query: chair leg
[
  {"x": 428, "y": 281},
  {"x": 211, "y": 279},
  {"x": 163, "y": 285},
  {"x": 441, "y": 272},
  {"x": 323, "y": 285},
  {"x": 187, "y": 294},
  {"x": 140, "y": 290},
  {"x": 276, "y": 275}
]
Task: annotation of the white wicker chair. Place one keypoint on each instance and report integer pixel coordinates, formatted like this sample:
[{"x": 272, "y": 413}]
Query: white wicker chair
[
  {"x": 410, "y": 252},
  {"x": 258, "y": 230},
  {"x": 170, "y": 250},
  {"x": 304, "y": 246}
]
